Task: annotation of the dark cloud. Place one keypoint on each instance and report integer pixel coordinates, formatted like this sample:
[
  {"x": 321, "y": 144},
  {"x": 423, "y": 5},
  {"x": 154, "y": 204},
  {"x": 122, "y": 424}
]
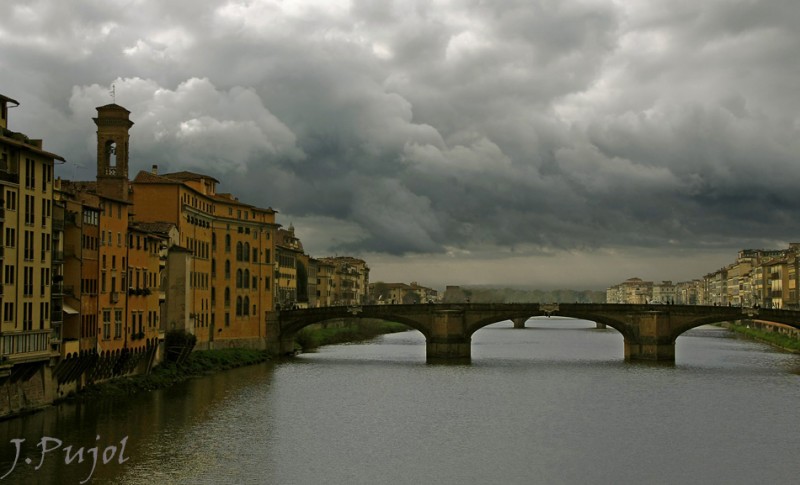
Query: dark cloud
[{"x": 455, "y": 128}]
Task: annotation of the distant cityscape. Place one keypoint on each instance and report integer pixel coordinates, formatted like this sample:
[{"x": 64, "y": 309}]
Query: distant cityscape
[{"x": 757, "y": 278}]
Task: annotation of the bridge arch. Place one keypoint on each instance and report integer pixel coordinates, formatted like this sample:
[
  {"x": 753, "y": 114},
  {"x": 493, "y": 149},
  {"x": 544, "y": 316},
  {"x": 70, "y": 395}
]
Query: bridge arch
[
  {"x": 291, "y": 327},
  {"x": 614, "y": 323}
]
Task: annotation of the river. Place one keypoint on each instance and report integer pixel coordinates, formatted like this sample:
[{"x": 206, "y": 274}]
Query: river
[{"x": 553, "y": 403}]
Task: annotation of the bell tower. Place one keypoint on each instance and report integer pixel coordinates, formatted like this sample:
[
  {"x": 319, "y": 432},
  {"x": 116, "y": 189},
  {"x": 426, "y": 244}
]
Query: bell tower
[{"x": 113, "y": 123}]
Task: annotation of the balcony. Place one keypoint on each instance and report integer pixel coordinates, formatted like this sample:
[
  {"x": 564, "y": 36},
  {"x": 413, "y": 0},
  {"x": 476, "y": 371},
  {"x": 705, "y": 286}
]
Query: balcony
[
  {"x": 9, "y": 177},
  {"x": 22, "y": 346}
]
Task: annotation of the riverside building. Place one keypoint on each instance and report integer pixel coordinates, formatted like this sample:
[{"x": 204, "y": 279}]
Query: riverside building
[{"x": 30, "y": 330}]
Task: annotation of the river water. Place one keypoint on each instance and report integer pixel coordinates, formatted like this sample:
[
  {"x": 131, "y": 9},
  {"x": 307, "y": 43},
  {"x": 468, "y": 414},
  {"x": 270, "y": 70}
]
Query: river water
[{"x": 553, "y": 403}]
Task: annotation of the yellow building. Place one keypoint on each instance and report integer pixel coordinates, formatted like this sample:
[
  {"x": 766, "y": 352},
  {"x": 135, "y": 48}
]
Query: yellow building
[
  {"x": 29, "y": 336},
  {"x": 288, "y": 267},
  {"x": 349, "y": 280}
]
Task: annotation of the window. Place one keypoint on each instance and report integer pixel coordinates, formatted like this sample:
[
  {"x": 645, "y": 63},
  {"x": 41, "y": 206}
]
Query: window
[
  {"x": 11, "y": 200},
  {"x": 117, "y": 323},
  {"x": 8, "y": 312},
  {"x": 11, "y": 237},
  {"x": 227, "y": 269},
  {"x": 30, "y": 217},
  {"x": 238, "y": 278},
  {"x": 238, "y": 306},
  {"x": 27, "y": 276},
  {"x": 45, "y": 246},
  {"x": 227, "y": 243},
  {"x": 227, "y": 297},
  {"x": 106, "y": 324},
  {"x": 246, "y": 255},
  {"x": 246, "y": 306},
  {"x": 28, "y": 249},
  {"x": 27, "y": 316},
  {"x": 30, "y": 174},
  {"x": 246, "y": 279},
  {"x": 45, "y": 277},
  {"x": 9, "y": 273}
]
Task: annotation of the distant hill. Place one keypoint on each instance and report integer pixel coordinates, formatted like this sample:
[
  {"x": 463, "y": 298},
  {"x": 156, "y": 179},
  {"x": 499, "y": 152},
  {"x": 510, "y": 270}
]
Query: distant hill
[{"x": 522, "y": 295}]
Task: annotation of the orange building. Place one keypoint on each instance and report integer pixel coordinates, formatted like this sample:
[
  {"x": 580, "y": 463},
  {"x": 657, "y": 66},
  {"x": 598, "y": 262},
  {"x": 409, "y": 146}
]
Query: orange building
[
  {"x": 231, "y": 245},
  {"x": 144, "y": 278}
]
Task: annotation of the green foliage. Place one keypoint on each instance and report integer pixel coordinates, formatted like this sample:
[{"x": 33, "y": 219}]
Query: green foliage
[
  {"x": 178, "y": 345},
  {"x": 355, "y": 330},
  {"x": 779, "y": 340},
  {"x": 168, "y": 374}
]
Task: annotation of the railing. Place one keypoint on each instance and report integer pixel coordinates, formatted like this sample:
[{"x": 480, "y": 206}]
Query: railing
[{"x": 25, "y": 342}]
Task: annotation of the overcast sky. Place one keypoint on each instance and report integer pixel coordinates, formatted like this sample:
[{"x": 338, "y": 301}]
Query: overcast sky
[{"x": 549, "y": 143}]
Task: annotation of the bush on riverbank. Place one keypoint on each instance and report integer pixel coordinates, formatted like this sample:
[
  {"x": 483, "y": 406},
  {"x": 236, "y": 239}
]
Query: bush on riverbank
[
  {"x": 774, "y": 338},
  {"x": 196, "y": 364},
  {"x": 315, "y": 336}
]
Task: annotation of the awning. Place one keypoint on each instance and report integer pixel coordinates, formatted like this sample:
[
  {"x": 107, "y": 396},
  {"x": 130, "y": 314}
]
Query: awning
[{"x": 69, "y": 310}]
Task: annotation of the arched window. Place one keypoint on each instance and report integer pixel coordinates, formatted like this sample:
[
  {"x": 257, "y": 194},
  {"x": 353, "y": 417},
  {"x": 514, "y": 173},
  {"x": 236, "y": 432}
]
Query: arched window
[
  {"x": 246, "y": 306},
  {"x": 246, "y": 252},
  {"x": 227, "y": 297},
  {"x": 227, "y": 269},
  {"x": 246, "y": 279},
  {"x": 227, "y": 243},
  {"x": 238, "y": 306},
  {"x": 213, "y": 241},
  {"x": 239, "y": 251},
  {"x": 238, "y": 278}
]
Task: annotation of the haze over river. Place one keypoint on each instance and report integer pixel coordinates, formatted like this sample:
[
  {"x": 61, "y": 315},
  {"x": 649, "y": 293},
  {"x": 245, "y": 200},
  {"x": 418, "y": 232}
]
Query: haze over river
[{"x": 553, "y": 403}]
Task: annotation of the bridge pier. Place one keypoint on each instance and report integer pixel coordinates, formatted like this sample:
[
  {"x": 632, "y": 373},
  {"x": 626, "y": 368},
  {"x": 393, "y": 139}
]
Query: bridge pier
[
  {"x": 448, "y": 350},
  {"x": 448, "y": 341},
  {"x": 653, "y": 339},
  {"x": 519, "y": 322},
  {"x": 278, "y": 343}
]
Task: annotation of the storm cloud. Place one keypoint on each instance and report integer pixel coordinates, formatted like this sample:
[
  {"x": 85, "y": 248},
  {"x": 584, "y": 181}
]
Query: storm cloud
[{"x": 459, "y": 130}]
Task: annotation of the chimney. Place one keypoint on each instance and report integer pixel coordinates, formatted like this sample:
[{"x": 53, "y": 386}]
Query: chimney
[{"x": 154, "y": 171}]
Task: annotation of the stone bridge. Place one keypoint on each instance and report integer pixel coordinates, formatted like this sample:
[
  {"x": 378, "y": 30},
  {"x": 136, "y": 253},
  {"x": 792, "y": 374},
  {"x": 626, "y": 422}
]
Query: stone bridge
[{"x": 649, "y": 331}]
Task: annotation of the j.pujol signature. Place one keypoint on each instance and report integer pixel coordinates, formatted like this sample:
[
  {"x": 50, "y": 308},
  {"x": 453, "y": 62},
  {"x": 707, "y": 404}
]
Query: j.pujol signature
[{"x": 48, "y": 449}]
